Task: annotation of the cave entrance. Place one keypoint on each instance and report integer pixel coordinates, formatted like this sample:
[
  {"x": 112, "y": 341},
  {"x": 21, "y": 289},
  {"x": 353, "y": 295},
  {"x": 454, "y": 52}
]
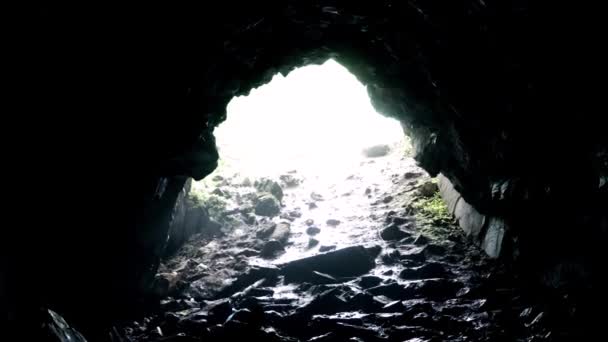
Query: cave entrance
[{"x": 301, "y": 160}]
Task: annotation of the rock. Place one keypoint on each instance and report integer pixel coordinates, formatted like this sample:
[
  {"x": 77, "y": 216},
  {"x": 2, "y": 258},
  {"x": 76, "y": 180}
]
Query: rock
[
  {"x": 249, "y": 219},
  {"x": 248, "y": 278},
  {"x": 281, "y": 232},
  {"x": 394, "y": 306},
  {"x": 165, "y": 283},
  {"x": 328, "y": 302},
  {"x": 316, "y": 197},
  {"x": 313, "y": 230},
  {"x": 271, "y": 249},
  {"x": 392, "y": 257},
  {"x": 267, "y": 205},
  {"x": 368, "y": 191},
  {"x": 437, "y": 289},
  {"x": 324, "y": 249},
  {"x": 319, "y": 278},
  {"x": 289, "y": 180},
  {"x": 246, "y": 182},
  {"x": 312, "y": 205},
  {"x": 421, "y": 240},
  {"x": 57, "y": 329},
  {"x": 248, "y": 252},
  {"x": 346, "y": 262},
  {"x": 312, "y": 242},
  {"x": 426, "y": 271},
  {"x": 387, "y": 199},
  {"x": 369, "y": 281},
  {"x": 220, "y": 192},
  {"x": 266, "y": 230},
  {"x": 376, "y": 151},
  {"x": 399, "y": 220},
  {"x": 392, "y": 233},
  {"x": 267, "y": 185},
  {"x": 309, "y": 222},
  {"x": 295, "y": 214},
  {"x": 393, "y": 290},
  {"x": 219, "y": 310},
  {"x": 411, "y": 174},
  {"x": 428, "y": 189},
  {"x": 332, "y": 222},
  {"x": 218, "y": 178}
]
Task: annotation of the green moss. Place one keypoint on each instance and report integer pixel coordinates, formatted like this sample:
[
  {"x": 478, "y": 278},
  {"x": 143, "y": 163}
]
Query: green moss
[
  {"x": 215, "y": 205},
  {"x": 433, "y": 208}
]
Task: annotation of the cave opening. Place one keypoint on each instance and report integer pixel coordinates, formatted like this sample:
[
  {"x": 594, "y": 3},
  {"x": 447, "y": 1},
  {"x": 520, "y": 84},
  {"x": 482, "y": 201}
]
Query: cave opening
[{"x": 313, "y": 141}]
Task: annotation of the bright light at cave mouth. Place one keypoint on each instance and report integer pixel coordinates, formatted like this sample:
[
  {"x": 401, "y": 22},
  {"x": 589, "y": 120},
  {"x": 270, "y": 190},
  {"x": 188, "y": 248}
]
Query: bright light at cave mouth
[{"x": 316, "y": 120}]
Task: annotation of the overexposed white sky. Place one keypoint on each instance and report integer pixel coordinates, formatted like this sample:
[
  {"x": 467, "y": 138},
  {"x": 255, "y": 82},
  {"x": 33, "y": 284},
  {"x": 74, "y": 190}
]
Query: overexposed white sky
[{"x": 316, "y": 115}]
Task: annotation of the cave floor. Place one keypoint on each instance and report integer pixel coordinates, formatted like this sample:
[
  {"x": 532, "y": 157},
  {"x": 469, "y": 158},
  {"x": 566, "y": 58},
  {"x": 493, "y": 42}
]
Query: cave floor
[{"x": 355, "y": 259}]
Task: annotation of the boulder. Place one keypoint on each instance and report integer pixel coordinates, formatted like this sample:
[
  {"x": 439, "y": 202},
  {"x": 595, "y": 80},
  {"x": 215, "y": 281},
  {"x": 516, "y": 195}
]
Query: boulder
[
  {"x": 281, "y": 232},
  {"x": 266, "y": 230},
  {"x": 313, "y": 230},
  {"x": 267, "y": 205},
  {"x": 428, "y": 189},
  {"x": 376, "y": 151},
  {"x": 269, "y": 186},
  {"x": 271, "y": 249}
]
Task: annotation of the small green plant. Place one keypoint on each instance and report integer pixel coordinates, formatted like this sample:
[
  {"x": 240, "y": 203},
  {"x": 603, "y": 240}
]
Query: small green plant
[{"x": 434, "y": 208}]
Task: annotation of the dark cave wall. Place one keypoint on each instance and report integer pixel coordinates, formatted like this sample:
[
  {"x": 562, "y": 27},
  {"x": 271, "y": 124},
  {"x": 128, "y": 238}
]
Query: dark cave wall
[{"x": 499, "y": 97}]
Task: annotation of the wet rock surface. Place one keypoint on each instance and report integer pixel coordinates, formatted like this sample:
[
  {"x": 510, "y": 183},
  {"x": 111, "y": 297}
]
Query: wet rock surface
[{"x": 376, "y": 271}]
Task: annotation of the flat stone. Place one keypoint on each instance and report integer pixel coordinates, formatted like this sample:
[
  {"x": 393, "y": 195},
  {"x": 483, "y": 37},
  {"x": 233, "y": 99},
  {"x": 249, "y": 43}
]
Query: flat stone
[
  {"x": 313, "y": 230},
  {"x": 393, "y": 291},
  {"x": 249, "y": 252},
  {"x": 346, "y": 262},
  {"x": 411, "y": 174},
  {"x": 325, "y": 248},
  {"x": 426, "y": 271},
  {"x": 265, "y": 230},
  {"x": 332, "y": 222},
  {"x": 316, "y": 197}
]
